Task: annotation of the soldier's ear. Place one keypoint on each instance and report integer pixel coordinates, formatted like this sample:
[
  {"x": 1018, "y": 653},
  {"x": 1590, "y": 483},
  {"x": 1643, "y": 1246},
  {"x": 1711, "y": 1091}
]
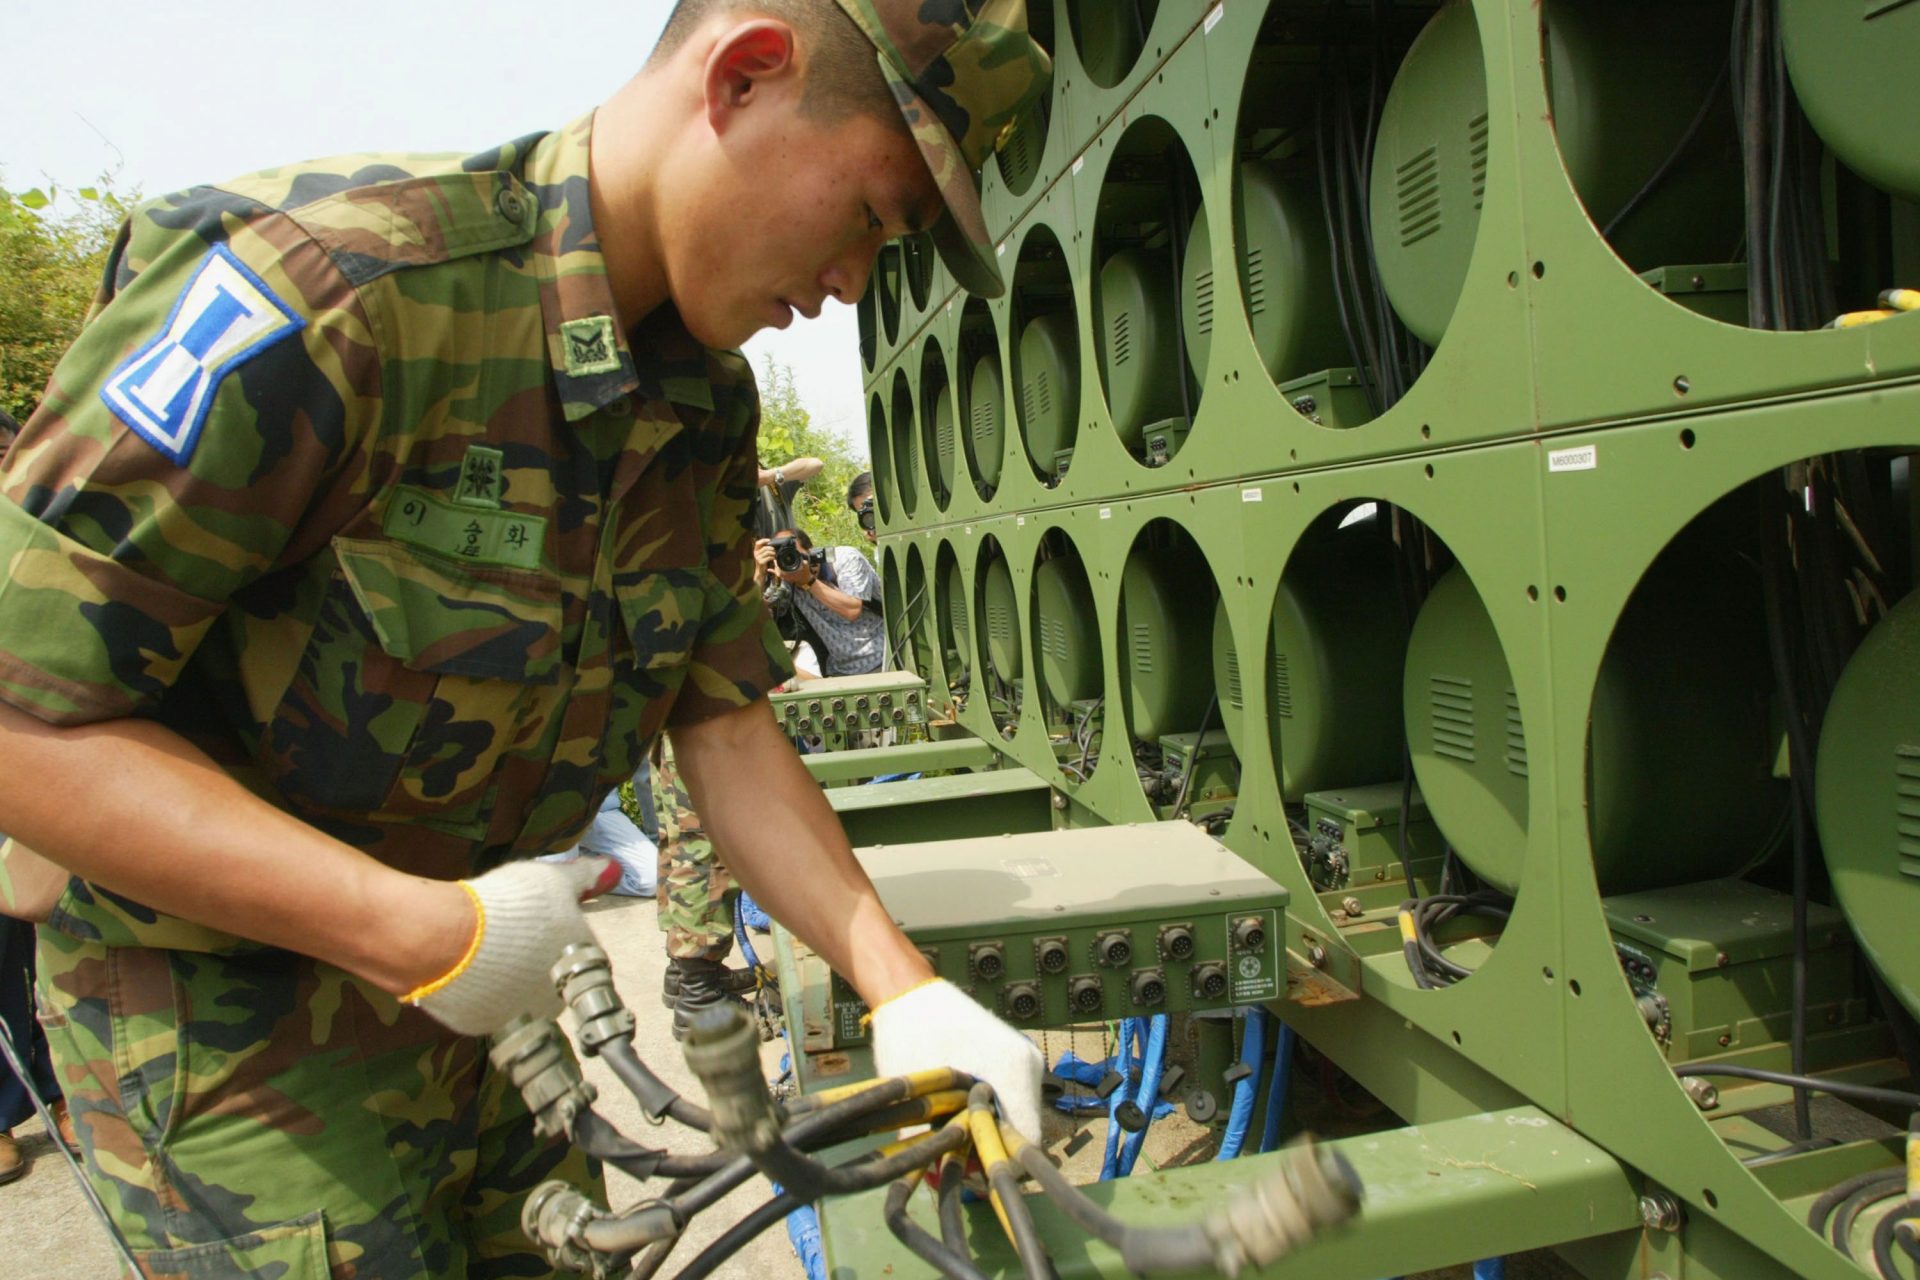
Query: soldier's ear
[{"x": 746, "y": 62}]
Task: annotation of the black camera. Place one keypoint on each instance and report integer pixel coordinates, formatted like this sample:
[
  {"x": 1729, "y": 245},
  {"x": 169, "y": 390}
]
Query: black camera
[
  {"x": 789, "y": 555},
  {"x": 864, "y": 513}
]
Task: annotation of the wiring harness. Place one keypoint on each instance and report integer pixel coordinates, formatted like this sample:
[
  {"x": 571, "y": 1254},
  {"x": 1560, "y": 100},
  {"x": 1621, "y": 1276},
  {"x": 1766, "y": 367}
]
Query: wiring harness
[{"x": 1310, "y": 1191}]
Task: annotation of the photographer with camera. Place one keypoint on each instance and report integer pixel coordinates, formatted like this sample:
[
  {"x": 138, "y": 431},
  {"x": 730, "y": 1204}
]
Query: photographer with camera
[
  {"x": 860, "y": 502},
  {"x": 835, "y": 590}
]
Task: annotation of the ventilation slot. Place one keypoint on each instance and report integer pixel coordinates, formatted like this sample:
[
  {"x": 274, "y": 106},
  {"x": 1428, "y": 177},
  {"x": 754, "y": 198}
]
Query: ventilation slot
[
  {"x": 1036, "y": 398},
  {"x": 1053, "y": 638},
  {"x": 1143, "y": 648},
  {"x": 1000, "y": 623},
  {"x": 1256, "y": 281},
  {"x": 1203, "y": 300},
  {"x": 1516, "y": 738},
  {"x": 943, "y": 439},
  {"x": 1452, "y": 702},
  {"x": 1477, "y": 148},
  {"x": 1417, "y": 184},
  {"x": 1282, "y": 688},
  {"x": 983, "y": 425},
  {"x": 1906, "y": 773},
  {"x": 1235, "y": 699},
  {"x": 1122, "y": 338}
]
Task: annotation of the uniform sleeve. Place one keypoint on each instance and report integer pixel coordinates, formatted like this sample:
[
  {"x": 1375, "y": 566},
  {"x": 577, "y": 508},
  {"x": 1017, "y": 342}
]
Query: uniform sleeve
[
  {"x": 738, "y": 656},
  {"x": 222, "y": 381}
]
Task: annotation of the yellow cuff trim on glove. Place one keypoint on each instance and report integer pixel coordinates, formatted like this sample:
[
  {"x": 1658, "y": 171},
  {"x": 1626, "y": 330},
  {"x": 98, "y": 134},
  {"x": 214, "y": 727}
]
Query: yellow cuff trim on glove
[
  {"x": 440, "y": 983},
  {"x": 867, "y": 1017}
]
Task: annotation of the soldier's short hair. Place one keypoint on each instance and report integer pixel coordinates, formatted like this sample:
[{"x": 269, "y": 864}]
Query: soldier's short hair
[{"x": 843, "y": 71}]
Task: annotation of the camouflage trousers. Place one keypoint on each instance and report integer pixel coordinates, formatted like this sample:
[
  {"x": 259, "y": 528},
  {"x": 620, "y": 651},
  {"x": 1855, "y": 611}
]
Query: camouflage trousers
[
  {"x": 693, "y": 884},
  {"x": 264, "y": 1114}
]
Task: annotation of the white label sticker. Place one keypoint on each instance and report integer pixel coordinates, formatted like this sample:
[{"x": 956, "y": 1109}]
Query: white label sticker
[
  {"x": 1079, "y": 163},
  {"x": 969, "y": 531},
  {"x": 1214, "y": 15},
  {"x": 1029, "y": 868},
  {"x": 1000, "y": 250},
  {"x": 1106, "y": 513},
  {"x": 1020, "y": 522},
  {"x": 1585, "y": 458},
  {"x": 1253, "y": 495}
]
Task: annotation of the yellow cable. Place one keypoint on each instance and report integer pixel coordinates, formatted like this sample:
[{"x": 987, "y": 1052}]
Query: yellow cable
[
  {"x": 1855, "y": 319},
  {"x": 1901, "y": 299},
  {"x": 919, "y": 1084},
  {"x": 986, "y": 1141}
]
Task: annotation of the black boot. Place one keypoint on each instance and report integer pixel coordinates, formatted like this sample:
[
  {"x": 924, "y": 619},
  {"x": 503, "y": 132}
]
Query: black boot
[
  {"x": 700, "y": 984},
  {"x": 740, "y": 982}
]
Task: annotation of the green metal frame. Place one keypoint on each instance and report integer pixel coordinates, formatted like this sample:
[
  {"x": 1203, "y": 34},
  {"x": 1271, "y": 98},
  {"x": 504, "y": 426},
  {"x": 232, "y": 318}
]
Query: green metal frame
[{"x": 1572, "y": 422}]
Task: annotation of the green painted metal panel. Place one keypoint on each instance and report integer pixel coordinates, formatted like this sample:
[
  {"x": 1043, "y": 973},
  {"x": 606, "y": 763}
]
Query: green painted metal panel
[
  {"x": 833, "y": 768},
  {"x": 1000, "y": 619},
  {"x": 1438, "y": 1194},
  {"x": 1139, "y": 351},
  {"x": 1833, "y": 49},
  {"x": 1166, "y": 641},
  {"x": 986, "y": 420}
]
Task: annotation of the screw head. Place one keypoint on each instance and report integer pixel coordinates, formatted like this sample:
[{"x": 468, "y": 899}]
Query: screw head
[
  {"x": 1659, "y": 1211},
  {"x": 1352, "y": 907},
  {"x": 1721, "y": 961}
]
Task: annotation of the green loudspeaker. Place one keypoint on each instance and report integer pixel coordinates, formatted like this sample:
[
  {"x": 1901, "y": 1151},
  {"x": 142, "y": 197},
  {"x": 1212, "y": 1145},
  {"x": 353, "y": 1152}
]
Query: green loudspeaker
[
  {"x": 1166, "y": 641},
  {"x": 1335, "y": 655},
  {"x": 1110, "y": 35},
  {"x": 986, "y": 407},
  {"x": 1286, "y": 280},
  {"x": 880, "y": 445},
  {"x": 1867, "y": 793},
  {"x": 1049, "y": 371},
  {"x": 1463, "y": 725},
  {"x": 1067, "y": 630},
  {"x": 906, "y": 445},
  {"x": 1618, "y": 120},
  {"x": 1834, "y": 53},
  {"x": 958, "y": 638},
  {"x": 1000, "y": 619},
  {"x": 1138, "y": 351},
  {"x": 940, "y": 424}
]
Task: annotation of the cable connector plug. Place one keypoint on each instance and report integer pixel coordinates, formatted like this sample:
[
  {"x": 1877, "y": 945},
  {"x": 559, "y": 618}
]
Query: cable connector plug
[{"x": 1313, "y": 1190}]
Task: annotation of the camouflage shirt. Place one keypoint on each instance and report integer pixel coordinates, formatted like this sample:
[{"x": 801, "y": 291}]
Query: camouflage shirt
[{"x": 353, "y": 479}]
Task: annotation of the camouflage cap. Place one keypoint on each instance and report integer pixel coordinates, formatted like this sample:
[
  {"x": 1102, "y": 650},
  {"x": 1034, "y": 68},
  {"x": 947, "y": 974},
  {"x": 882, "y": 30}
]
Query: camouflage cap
[{"x": 964, "y": 72}]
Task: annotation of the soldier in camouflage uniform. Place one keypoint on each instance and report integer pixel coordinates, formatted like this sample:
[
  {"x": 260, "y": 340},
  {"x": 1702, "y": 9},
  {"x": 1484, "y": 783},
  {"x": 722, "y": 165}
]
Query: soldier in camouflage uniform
[
  {"x": 383, "y": 514},
  {"x": 695, "y": 912}
]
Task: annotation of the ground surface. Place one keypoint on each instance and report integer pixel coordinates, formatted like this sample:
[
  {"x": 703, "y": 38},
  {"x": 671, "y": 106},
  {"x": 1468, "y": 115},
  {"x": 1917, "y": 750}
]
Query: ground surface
[{"x": 47, "y": 1233}]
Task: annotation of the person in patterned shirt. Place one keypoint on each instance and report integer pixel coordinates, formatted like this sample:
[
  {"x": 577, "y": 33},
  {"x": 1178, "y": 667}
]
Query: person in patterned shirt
[{"x": 383, "y": 514}]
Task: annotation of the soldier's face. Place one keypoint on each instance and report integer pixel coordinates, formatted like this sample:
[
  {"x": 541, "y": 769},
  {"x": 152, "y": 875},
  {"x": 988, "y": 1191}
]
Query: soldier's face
[{"x": 795, "y": 213}]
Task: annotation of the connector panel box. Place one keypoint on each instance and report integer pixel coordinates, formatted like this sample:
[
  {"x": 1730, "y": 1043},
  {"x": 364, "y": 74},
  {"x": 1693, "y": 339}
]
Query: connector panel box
[{"x": 1053, "y": 928}]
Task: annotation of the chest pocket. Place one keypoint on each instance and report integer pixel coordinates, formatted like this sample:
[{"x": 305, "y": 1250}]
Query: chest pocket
[{"x": 419, "y": 677}]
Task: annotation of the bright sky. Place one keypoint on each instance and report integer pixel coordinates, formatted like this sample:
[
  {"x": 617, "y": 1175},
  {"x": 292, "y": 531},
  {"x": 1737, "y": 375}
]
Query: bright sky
[{"x": 188, "y": 92}]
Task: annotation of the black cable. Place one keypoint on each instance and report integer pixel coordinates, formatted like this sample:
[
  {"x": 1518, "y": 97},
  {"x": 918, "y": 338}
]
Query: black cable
[
  {"x": 657, "y": 1098},
  {"x": 811, "y": 1179},
  {"x": 597, "y": 1137},
  {"x": 1836, "y": 1088},
  {"x": 953, "y": 1227},
  {"x": 737, "y": 1236},
  {"x": 1193, "y": 760},
  {"x": 1672, "y": 161},
  {"x": 940, "y": 1256}
]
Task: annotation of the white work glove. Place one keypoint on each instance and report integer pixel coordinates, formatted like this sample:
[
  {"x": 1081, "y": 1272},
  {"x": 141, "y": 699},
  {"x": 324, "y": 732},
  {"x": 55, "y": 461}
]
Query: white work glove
[
  {"x": 936, "y": 1025},
  {"x": 526, "y": 914}
]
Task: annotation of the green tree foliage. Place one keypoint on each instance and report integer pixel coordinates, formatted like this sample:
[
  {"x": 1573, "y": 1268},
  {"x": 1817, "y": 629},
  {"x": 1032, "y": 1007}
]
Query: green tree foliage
[
  {"x": 787, "y": 431},
  {"x": 53, "y": 247}
]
